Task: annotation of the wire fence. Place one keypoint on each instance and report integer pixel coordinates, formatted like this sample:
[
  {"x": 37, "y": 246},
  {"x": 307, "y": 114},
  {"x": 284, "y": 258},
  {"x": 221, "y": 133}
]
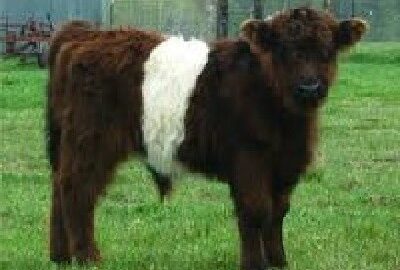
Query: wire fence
[
  {"x": 186, "y": 18},
  {"x": 199, "y": 18}
]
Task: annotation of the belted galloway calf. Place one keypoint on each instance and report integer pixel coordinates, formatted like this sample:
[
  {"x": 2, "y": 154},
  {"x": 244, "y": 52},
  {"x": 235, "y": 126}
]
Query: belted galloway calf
[{"x": 243, "y": 110}]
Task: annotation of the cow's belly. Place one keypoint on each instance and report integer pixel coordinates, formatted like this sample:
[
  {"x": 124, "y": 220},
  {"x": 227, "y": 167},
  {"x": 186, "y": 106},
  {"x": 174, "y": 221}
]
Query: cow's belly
[{"x": 170, "y": 76}]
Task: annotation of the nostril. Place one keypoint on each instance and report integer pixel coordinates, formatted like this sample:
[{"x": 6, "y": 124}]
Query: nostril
[
  {"x": 310, "y": 90},
  {"x": 309, "y": 87},
  {"x": 309, "y": 80},
  {"x": 309, "y": 83}
]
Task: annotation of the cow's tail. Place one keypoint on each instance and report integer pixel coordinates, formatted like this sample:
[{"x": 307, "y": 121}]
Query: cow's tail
[
  {"x": 53, "y": 133},
  {"x": 67, "y": 32},
  {"x": 163, "y": 183}
]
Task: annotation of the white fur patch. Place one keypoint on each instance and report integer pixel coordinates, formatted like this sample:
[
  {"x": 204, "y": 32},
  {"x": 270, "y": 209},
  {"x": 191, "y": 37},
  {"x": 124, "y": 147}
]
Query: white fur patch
[{"x": 170, "y": 76}]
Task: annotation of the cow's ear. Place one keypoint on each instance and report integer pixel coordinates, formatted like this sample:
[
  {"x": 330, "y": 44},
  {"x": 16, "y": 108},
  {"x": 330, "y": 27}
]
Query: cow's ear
[
  {"x": 250, "y": 29},
  {"x": 258, "y": 32},
  {"x": 350, "y": 32}
]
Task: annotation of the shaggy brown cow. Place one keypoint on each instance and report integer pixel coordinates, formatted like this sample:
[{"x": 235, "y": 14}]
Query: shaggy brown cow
[{"x": 244, "y": 110}]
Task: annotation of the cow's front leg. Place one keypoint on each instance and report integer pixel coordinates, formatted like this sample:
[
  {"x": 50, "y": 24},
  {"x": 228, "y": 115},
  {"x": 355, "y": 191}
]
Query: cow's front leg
[
  {"x": 251, "y": 244},
  {"x": 251, "y": 192},
  {"x": 272, "y": 231}
]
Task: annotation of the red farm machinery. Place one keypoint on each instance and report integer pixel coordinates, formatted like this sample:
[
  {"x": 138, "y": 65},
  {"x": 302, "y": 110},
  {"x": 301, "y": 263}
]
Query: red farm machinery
[{"x": 26, "y": 37}]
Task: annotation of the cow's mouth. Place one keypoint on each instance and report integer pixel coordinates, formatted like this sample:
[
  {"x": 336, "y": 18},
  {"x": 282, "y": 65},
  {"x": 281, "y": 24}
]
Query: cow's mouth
[{"x": 310, "y": 95}]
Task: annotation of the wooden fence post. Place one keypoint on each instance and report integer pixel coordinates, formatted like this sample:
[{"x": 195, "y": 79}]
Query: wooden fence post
[
  {"x": 222, "y": 18},
  {"x": 327, "y": 5},
  {"x": 258, "y": 9},
  {"x": 111, "y": 15}
]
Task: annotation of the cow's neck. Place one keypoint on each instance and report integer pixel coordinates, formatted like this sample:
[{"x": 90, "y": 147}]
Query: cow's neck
[
  {"x": 297, "y": 133},
  {"x": 294, "y": 132}
]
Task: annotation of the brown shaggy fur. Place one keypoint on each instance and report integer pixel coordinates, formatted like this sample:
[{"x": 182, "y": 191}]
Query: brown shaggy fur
[
  {"x": 251, "y": 121},
  {"x": 63, "y": 118}
]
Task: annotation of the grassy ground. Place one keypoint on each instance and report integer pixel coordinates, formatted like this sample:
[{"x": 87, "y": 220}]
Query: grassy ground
[{"x": 345, "y": 215}]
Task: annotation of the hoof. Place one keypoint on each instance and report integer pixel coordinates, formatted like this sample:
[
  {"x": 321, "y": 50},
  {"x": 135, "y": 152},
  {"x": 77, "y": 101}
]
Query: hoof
[
  {"x": 60, "y": 259},
  {"x": 88, "y": 256},
  {"x": 278, "y": 264}
]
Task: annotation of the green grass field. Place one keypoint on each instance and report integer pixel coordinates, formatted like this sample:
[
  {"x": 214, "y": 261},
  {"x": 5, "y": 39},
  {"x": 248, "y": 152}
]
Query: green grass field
[{"x": 345, "y": 214}]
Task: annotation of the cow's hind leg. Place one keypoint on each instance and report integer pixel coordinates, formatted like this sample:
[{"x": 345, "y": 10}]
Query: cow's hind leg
[
  {"x": 86, "y": 166},
  {"x": 59, "y": 244},
  {"x": 79, "y": 196},
  {"x": 163, "y": 183}
]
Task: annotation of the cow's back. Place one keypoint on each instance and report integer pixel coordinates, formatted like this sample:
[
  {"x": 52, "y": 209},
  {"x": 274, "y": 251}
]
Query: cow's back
[{"x": 96, "y": 84}]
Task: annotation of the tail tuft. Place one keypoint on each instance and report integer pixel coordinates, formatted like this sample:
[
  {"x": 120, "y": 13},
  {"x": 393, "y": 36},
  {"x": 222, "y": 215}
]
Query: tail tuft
[{"x": 163, "y": 184}]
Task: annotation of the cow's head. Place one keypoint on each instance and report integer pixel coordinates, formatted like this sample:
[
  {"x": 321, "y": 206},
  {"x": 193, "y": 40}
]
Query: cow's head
[{"x": 299, "y": 48}]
